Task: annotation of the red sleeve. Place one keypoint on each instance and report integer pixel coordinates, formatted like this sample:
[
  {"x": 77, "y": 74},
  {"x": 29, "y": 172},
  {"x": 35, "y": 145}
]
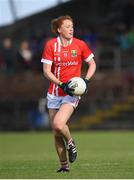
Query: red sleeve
[
  {"x": 86, "y": 52},
  {"x": 47, "y": 52}
]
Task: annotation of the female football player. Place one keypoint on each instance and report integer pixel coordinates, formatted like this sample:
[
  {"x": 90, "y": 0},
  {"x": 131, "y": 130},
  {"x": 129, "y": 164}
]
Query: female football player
[{"x": 62, "y": 59}]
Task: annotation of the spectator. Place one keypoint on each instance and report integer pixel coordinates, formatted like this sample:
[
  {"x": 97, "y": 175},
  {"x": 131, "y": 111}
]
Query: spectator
[
  {"x": 7, "y": 55},
  {"x": 24, "y": 57}
]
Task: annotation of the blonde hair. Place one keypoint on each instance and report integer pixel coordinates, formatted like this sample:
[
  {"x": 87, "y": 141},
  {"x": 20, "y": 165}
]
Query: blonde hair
[{"x": 57, "y": 22}]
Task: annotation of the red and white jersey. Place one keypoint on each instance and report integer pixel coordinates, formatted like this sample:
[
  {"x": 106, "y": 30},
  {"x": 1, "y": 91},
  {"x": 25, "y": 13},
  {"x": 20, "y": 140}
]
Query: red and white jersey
[{"x": 66, "y": 61}]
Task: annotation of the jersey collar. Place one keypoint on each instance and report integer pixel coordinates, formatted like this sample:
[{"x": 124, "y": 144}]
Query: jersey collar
[{"x": 59, "y": 41}]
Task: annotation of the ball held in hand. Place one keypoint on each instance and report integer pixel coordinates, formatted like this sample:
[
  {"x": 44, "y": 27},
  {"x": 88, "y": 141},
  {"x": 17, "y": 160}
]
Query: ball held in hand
[{"x": 78, "y": 84}]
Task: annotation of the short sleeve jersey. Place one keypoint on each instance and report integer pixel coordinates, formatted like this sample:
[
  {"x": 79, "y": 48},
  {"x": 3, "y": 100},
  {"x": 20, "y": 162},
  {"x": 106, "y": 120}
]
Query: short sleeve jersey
[{"x": 66, "y": 61}]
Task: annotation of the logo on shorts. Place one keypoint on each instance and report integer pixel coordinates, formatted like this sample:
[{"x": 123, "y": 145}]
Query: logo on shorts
[{"x": 73, "y": 53}]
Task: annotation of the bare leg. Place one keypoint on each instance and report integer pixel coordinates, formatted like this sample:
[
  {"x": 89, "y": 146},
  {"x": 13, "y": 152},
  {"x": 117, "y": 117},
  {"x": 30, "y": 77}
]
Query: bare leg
[
  {"x": 61, "y": 131},
  {"x": 60, "y": 120},
  {"x": 66, "y": 133},
  {"x": 60, "y": 147},
  {"x": 59, "y": 141}
]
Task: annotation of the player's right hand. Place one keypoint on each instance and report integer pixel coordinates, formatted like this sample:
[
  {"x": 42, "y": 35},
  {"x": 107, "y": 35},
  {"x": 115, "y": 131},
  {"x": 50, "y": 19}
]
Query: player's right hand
[{"x": 65, "y": 88}]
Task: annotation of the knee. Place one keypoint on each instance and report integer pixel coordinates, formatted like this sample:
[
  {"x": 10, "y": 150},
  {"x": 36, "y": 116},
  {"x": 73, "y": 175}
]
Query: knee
[{"x": 57, "y": 127}]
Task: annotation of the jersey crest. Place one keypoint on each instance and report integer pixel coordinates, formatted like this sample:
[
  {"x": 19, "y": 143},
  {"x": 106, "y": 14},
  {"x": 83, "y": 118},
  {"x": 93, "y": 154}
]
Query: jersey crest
[{"x": 74, "y": 53}]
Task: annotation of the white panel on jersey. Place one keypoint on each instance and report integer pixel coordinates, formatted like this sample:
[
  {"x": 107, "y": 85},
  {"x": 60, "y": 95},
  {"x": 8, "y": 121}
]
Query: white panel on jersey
[
  {"x": 46, "y": 61},
  {"x": 90, "y": 57},
  {"x": 55, "y": 46}
]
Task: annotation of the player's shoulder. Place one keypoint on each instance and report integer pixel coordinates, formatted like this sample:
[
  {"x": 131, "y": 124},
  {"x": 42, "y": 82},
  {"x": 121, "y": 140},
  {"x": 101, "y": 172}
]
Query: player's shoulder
[{"x": 80, "y": 43}]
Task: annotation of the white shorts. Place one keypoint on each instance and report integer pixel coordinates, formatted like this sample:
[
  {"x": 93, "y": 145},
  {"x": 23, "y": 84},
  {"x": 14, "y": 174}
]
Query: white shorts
[{"x": 54, "y": 102}]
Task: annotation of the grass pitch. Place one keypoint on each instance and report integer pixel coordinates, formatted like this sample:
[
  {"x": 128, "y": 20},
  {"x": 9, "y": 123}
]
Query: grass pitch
[{"x": 101, "y": 155}]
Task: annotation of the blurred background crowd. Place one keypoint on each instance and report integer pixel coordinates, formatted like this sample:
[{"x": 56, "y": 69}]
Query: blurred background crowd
[{"x": 108, "y": 28}]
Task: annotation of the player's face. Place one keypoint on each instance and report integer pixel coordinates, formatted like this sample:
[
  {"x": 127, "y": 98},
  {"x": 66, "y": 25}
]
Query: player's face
[{"x": 66, "y": 30}]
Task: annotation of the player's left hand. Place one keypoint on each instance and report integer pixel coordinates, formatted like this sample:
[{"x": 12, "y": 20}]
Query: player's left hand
[{"x": 87, "y": 84}]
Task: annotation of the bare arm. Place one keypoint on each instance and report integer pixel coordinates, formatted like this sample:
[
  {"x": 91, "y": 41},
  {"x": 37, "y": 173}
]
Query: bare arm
[
  {"x": 48, "y": 74},
  {"x": 91, "y": 69}
]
